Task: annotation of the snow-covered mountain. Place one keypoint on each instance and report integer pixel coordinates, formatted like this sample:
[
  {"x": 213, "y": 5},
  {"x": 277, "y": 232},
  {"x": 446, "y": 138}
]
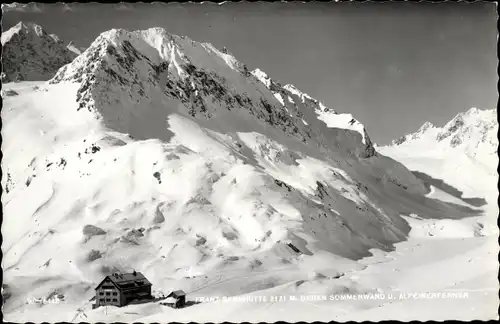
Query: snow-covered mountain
[
  {"x": 29, "y": 53},
  {"x": 472, "y": 134},
  {"x": 470, "y": 131},
  {"x": 329, "y": 116},
  {"x": 464, "y": 152},
  {"x": 153, "y": 152}
]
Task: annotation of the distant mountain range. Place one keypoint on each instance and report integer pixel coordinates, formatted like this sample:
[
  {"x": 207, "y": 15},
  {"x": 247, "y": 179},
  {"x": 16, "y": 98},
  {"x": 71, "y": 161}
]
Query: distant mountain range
[
  {"x": 464, "y": 152},
  {"x": 470, "y": 130}
]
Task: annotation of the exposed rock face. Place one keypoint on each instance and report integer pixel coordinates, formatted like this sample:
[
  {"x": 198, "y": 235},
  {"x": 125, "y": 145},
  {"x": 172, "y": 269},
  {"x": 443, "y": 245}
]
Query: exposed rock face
[
  {"x": 451, "y": 128},
  {"x": 92, "y": 230},
  {"x": 155, "y": 66},
  {"x": 30, "y": 54},
  {"x": 474, "y": 127}
]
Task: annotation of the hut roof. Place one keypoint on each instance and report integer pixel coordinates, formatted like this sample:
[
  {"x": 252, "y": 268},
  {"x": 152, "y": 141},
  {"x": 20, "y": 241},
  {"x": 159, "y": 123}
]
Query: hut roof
[
  {"x": 177, "y": 294},
  {"x": 127, "y": 280}
]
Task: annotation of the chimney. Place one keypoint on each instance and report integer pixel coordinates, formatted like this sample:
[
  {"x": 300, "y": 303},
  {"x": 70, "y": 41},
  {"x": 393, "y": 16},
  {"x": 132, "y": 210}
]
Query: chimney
[{"x": 135, "y": 273}]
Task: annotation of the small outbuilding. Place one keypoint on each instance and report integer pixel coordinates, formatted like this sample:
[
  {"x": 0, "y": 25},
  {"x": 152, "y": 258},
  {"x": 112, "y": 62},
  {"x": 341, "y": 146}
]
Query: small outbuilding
[{"x": 179, "y": 298}]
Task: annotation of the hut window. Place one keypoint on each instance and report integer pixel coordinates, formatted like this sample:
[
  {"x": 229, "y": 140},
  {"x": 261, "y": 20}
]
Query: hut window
[
  {"x": 115, "y": 300},
  {"x": 101, "y": 293},
  {"x": 115, "y": 293}
]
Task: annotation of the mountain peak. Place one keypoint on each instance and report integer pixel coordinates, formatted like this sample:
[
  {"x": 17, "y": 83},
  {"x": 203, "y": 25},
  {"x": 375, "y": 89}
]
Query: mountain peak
[
  {"x": 426, "y": 126},
  {"x": 30, "y": 27},
  {"x": 465, "y": 124},
  {"x": 156, "y": 67},
  {"x": 22, "y": 27},
  {"x": 30, "y": 53},
  {"x": 468, "y": 129},
  {"x": 424, "y": 129}
]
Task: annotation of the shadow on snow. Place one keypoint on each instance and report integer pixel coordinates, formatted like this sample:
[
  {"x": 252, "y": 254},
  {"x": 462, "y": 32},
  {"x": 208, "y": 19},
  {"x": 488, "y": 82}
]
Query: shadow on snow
[{"x": 440, "y": 184}]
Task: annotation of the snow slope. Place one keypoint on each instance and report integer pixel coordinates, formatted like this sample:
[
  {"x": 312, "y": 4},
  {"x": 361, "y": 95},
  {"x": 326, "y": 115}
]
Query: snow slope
[
  {"x": 156, "y": 153},
  {"x": 29, "y": 53},
  {"x": 73, "y": 48}
]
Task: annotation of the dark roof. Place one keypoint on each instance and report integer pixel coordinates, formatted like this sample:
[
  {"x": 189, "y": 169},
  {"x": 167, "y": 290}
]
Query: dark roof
[
  {"x": 127, "y": 280},
  {"x": 176, "y": 294}
]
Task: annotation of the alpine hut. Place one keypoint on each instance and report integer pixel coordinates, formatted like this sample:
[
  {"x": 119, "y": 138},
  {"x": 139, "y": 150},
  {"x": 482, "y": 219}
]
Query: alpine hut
[{"x": 120, "y": 289}]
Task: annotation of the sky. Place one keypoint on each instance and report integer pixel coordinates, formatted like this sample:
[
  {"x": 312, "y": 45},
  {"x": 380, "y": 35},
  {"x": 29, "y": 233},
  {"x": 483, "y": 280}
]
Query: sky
[{"x": 392, "y": 65}]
